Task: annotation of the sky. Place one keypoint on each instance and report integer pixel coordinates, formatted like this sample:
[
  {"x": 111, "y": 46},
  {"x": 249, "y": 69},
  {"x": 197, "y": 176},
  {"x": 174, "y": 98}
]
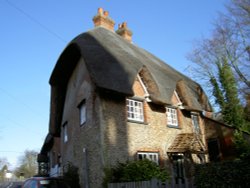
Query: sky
[{"x": 33, "y": 34}]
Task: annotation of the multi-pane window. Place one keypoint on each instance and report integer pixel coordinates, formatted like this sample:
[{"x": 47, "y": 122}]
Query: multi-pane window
[
  {"x": 82, "y": 112},
  {"x": 135, "y": 110},
  {"x": 195, "y": 121},
  {"x": 152, "y": 156},
  {"x": 172, "y": 119},
  {"x": 65, "y": 132}
]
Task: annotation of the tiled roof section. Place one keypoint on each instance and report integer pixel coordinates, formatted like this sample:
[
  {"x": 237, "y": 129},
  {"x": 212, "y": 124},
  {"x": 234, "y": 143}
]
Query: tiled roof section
[{"x": 186, "y": 142}]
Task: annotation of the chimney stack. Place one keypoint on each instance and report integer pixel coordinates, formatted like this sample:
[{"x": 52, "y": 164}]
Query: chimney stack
[
  {"x": 102, "y": 19},
  {"x": 124, "y": 31}
]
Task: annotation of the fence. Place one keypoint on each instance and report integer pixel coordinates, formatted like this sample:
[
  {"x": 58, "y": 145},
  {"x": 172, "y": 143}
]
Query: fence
[{"x": 154, "y": 183}]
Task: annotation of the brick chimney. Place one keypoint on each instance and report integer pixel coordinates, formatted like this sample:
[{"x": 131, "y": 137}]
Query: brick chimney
[
  {"x": 124, "y": 31},
  {"x": 102, "y": 19}
]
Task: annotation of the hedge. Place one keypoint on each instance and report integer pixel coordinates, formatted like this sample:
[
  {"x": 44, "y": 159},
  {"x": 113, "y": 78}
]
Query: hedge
[{"x": 223, "y": 174}]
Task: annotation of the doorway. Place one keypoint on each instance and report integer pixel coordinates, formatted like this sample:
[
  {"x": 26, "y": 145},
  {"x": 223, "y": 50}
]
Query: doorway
[{"x": 178, "y": 168}]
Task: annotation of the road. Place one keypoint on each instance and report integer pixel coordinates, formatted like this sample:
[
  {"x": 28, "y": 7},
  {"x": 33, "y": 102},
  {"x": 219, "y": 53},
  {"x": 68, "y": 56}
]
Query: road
[{"x": 11, "y": 185}]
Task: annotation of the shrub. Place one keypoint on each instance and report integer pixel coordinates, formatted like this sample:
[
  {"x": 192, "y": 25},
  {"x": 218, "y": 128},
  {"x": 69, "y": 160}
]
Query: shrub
[
  {"x": 223, "y": 174},
  {"x": 131, "y": 171},
  {"x": 71, "y": 176}
]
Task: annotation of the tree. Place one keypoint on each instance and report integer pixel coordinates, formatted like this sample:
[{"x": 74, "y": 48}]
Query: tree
[
  {"x": 3, "y": 162},
  {"x": 222, "y": 62},
  {"x": 238, "y": 23},
  {"x": 247, "y": 108},
  {"x": 3, "y": 168},
  {"x": 232, "y": 110},
  {"x": 28, "y": 164}
]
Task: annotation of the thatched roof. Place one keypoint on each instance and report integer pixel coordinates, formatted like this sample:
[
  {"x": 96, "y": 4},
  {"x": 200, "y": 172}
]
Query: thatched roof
[{"x": 113, "y": 64}]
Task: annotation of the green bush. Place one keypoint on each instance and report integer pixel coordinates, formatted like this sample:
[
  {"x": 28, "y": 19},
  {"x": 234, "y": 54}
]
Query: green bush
[
  {"x": 223, "y": 174},
  {"x": 241, "y": 144},
  {"x": 131, "y": 171},
  {"x": 71, "y": 176}
]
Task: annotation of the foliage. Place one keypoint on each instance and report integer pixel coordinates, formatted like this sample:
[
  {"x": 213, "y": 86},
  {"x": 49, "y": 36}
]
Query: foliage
[
  {"x": 71, "y": 176},
  {"x": 223, "y": 174},
  {"x": 241, "y": 144},
  {"x": 247, "y": 108},
  {"x": 221, "y": 62},
  {"x": 131, "y": 171},
  {"x": 219, "y": 98},
  {"x": 3, "y": 162},
  {"x": 3, "y": 168},
  {"x": 28, "y": 164},
  {"x": 232, "y": 110}
]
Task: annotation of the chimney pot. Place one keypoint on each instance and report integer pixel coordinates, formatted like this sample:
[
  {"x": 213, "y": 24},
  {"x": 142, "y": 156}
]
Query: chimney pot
[
  {"x": 124, "y": 25},
  {"x": 106, "y": 13},
  {"x": 124, "y": 32},
  {"x": 102, "y": 19},
  {"x": 100, "y": 10}
]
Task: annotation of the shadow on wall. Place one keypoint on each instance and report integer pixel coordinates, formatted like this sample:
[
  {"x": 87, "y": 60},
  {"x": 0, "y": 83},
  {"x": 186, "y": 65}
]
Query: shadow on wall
[{"x": 106, "y": 139}]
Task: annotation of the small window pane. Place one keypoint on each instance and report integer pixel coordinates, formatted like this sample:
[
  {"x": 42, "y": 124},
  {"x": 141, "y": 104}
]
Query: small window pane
[
  {"x": 65, "y": 132},
  {"x": 149, "y": 155},
  {"x": 82, "y": 111}
]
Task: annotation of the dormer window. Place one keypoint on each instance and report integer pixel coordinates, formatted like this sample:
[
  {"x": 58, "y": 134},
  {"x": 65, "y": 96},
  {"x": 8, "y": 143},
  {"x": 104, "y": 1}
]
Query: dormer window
[
  {"x": 195, "y": 121},
  {"x": 135, "y": 110},
  {"x": 172, "y": 120}
]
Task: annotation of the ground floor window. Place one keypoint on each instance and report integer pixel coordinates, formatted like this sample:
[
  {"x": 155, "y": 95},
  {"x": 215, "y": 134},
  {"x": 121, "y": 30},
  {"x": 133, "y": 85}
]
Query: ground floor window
[{"x": 152, "y": 156}]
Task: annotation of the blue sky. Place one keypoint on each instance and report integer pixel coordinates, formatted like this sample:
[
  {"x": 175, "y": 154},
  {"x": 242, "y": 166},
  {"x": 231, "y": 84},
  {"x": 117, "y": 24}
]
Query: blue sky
[{"x": 34, "y": 33}]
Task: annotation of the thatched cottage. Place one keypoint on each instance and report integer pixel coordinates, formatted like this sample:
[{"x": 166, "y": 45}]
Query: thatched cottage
[{"x": 112, "y": 101}]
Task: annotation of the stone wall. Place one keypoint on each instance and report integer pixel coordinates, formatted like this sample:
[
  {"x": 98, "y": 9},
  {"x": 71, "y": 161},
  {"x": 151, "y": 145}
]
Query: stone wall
[{"x": 107, "y": 137}]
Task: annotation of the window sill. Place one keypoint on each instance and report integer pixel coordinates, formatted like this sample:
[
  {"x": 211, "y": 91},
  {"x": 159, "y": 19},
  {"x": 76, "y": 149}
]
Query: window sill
[
  {"x": 174, "y": 126},
  {"x": 139, "y": 122},
  {"x": 83, "y": 124}
]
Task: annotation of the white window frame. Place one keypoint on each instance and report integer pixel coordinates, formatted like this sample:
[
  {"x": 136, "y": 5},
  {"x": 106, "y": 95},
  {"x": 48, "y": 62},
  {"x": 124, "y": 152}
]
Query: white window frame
[
  {"x": 65, "y": 132},
  {"x": 152, "y": 156},
  {"x": 146, "y": 95},
  {"x": 178, "y": 98},
  {"x": 195, "y": 122},
  {"x": 135, "y": 110},
  {"x": 82, "y": 112},
  {"x": 172, "y": 117}
]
